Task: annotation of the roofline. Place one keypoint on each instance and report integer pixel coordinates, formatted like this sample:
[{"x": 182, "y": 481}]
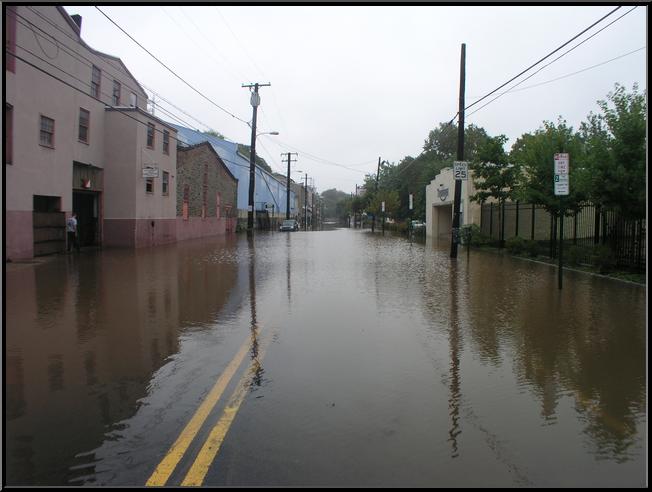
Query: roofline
[
  {"x": 208, "y": 144},
  {"x": 77, "y": 30}
]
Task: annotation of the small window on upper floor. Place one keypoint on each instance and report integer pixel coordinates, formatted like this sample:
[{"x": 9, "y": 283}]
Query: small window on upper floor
[
  {"x": 84, "y": 124},
  {"x": 149, "y": 185},
  {"x": 10, "y": 38},
  {"x": 166, "y": 142},
  {"x": 46, "y": 134},
  {"x": 165, "y": 185},
  {"x": 116, "y": 93},
  {"x": 150, "y": 135},
  {"x": 96, "y": 80},
  {"x": 133, "y": 100}
]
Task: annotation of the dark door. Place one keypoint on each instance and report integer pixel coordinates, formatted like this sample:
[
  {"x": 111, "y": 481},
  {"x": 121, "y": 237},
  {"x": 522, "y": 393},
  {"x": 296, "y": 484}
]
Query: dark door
[{"x": 85, "y": 205}]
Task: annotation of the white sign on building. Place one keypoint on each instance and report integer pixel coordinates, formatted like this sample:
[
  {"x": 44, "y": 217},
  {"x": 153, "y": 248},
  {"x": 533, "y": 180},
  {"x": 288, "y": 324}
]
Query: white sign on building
[{"x": 150, "y": 172}]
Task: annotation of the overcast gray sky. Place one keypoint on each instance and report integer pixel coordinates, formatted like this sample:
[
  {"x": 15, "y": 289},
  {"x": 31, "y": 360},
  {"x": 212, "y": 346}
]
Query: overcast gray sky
[{"x": 352, "y": 83}]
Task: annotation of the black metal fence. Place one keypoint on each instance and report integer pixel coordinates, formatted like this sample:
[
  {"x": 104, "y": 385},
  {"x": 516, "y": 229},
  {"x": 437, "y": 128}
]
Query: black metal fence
[{"x": 592, "y": 234}]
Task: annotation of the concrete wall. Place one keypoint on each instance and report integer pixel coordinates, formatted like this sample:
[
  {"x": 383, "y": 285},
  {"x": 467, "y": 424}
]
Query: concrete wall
[
  {"x": 40, "y": 170},
  {"x": 129, "y": 209},
  {"x": 441, "y": 193}
]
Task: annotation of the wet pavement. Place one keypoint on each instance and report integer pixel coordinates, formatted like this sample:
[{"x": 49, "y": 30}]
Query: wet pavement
[{"x": 364, "y": 360}]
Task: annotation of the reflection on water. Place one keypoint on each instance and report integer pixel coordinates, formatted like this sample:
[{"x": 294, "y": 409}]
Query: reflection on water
[
  {"x": 391, "y": 364},
  {"x": 586, "y": 342},
  {"x": 84, "y": 334}
]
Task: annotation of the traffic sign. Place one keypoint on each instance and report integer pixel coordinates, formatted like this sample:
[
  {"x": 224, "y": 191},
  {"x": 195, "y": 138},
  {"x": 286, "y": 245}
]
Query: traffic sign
[
  {"x": 461, "y": 170},
  {"x": 562, "y": 168},
  {"x": 562, "y": 162}
]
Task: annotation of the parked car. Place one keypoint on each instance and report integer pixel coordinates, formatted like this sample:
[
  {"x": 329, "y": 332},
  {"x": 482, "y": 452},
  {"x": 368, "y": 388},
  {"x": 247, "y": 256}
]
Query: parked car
[
  {"x": 289, "y": 225},
  {"x": 417, "y": 224}
]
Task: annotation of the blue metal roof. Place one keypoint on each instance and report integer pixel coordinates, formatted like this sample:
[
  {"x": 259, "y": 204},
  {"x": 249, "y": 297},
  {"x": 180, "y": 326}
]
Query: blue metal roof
[{"x": 268, "y": 190}]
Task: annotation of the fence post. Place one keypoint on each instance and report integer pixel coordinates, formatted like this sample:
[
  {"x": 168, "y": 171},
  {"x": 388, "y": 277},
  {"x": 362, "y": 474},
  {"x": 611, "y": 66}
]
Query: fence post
[
  {"x": 491, "y": 220},
  {"x": 575, "y": 227},
  {"x": 516, "y": 232},
  {"x": 533, "y": 221},
  {"x": 596, "y": 225},
  {"x": 552, "y": 235}
]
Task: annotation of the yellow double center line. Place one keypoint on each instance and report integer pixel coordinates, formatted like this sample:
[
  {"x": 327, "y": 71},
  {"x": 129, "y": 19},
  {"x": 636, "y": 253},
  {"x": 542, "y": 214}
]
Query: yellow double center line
[{"x": 208, "y": 452}]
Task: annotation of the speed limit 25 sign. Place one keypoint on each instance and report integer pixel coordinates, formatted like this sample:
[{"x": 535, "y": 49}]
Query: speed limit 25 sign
[{"x": 461, "y": 170}]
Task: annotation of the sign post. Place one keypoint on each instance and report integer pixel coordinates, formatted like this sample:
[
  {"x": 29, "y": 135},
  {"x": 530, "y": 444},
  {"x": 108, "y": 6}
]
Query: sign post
[{"x": 562, "y": 188}]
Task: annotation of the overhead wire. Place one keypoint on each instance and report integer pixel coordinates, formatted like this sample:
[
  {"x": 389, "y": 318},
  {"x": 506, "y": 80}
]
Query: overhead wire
[
  {"x": 536, "y": 63},
  {"x": 172, "y": 71},
  {"x": 553, "y": 61},
  {"x": 578, "y": 71}
]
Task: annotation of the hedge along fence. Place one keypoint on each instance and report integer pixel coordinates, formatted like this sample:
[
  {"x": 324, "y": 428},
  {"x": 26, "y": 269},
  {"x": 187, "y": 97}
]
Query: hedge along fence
[{"x": 591, "y": 236}]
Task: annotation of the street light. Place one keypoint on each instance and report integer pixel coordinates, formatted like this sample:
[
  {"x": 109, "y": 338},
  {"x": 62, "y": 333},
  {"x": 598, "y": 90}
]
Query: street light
[
  {"x": 255, "y": 102},
  {"x": 267, "y": 133}
]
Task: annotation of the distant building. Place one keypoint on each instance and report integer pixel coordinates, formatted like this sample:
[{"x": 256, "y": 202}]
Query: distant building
[
  {"x": 270, "y": 193},
  {"x": 206, "y": 193},
  {"x": 440, "y": 194}
]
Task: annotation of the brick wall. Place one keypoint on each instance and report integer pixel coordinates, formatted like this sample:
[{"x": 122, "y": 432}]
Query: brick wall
[{"x": 200, "y": 169}]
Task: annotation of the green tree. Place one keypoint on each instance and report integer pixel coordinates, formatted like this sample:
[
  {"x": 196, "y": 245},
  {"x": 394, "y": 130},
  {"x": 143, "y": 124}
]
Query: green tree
[
  {"x": 214, "y": 134},
  {"x": 331, "y": 199},
  {"x": 615, "y": 152},
  {"x": 534, "y": 153},
  {"x": 494, "y": 176},
  {"x": 245, "y": 150}
]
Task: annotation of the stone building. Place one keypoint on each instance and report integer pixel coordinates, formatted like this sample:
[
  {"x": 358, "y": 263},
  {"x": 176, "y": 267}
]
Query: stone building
[{"x": 206, "y": 193}]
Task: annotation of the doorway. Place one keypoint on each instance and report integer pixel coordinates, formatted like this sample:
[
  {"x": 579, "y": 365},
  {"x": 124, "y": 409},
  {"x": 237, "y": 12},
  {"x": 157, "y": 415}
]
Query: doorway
[{"x": 86, "y": 204}]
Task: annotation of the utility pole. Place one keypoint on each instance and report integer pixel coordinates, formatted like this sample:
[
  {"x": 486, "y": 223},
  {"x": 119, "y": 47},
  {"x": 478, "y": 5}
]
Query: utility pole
[
  {"x": 355, "y": 214},
  {"x": 305, "y": 203},
  {"x": 460, "y": 157},
  {"x": 373, "y": 218},
  {"x": 287, "y": 200},
  {"x": 255, "y": 102}
]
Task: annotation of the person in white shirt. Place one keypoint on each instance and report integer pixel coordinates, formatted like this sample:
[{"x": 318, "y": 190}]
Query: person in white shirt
[{"x": 71, "y": 229}]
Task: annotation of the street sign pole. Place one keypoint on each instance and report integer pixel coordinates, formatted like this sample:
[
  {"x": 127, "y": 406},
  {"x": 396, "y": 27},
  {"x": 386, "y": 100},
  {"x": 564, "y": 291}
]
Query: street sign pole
[{"x": 562, "y": 188}]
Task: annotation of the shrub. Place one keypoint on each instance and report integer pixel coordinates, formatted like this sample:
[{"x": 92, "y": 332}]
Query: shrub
[
  {"x": 515, "y": 245},
  {"x": 603, "y": 258},
  {"x": 575, "y": 255},
  {"x": 531, "y": 247},
  {"x": 472, "y": 234}
]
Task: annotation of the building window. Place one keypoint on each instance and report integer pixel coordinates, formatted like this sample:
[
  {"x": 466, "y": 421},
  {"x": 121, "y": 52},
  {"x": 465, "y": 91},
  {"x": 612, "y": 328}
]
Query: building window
[
  {"x": 166, "y": 142},
  {"x": 47, "y": 132},
  {"x": 9, "y": 133},
  {"x": 84, "y": 124},
  {"x": 150, "y": 135},
  {"x": 149, "y": 185},
  {"x": 96, "y": 79},
  {"x": 116, "y": 93},
  {"x": 133, "y": 100},
  {"x": 166, "y": 183},
  {"x": 10, "y": 38},
  {"x": 218, "y": 209}
]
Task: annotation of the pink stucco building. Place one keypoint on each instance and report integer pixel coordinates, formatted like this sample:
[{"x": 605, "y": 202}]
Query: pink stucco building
[{"x": 78, "y": 138}]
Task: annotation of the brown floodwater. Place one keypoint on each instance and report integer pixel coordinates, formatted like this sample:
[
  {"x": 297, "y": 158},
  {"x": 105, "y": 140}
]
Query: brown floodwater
[{"x": 384, "y": 363}]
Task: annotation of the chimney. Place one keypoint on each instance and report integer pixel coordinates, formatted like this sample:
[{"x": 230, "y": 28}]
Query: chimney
[{"x": 78, "y": 20}]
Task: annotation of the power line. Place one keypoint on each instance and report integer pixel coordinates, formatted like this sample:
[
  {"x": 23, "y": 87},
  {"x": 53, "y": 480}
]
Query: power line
[
  {"x": 553, "y": 61},
  {"x": 534, "y": 64},
  {"x": 172, "y": 71},
  {"x": 579, "y": 71}
]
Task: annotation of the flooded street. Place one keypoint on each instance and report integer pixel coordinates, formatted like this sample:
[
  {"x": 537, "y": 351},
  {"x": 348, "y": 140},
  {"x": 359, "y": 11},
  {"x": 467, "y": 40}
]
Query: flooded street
[{"x": 353, "y": 359}]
